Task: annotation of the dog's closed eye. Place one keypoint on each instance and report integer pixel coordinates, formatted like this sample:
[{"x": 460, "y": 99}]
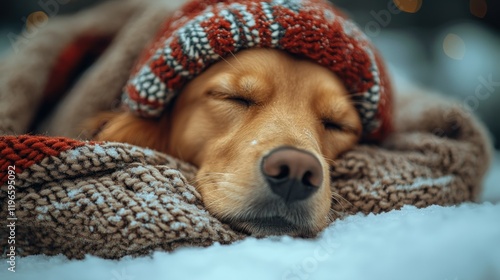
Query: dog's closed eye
[
  {"x": 331, "y": 125},
  {"x": 243, "y": 101},
  {"x": 232, "y": 97},
  {"x": 336, "y": 126},
  {"x": 226, "y": 122}
]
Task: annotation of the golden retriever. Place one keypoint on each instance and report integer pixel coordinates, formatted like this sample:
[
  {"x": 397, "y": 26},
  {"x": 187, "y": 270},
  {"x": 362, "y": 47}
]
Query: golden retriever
[{"x": 262, "y": 127}]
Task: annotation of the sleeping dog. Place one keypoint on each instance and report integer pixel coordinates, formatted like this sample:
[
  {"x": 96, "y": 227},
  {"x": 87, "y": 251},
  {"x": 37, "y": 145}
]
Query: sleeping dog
[{"x": 261, "y": 96}]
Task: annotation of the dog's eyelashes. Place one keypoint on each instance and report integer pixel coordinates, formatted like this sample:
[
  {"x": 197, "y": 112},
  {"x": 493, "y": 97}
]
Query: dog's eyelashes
[
  {"x": 241, "y": 101},
  {"x": 231, "y": 97},
  {"x": 331, "y": 125}
]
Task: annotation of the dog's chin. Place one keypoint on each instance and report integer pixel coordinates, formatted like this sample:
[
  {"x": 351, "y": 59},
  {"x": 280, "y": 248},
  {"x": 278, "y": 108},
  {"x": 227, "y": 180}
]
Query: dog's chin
[
  {"x": 268, "y": 226},
  {"x": 268, "y": 216}
]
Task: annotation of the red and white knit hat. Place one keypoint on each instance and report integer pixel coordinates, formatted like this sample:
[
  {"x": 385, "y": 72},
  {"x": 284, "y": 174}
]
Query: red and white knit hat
[{"x": 203, "y": 31}]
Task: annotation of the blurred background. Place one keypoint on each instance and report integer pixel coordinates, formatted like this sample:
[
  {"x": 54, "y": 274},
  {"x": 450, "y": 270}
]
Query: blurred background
[{"x": 452, "y": 46}]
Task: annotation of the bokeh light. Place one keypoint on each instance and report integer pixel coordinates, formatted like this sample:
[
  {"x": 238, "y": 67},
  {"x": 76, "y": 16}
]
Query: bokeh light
[
  {"x": 36, "y": 20},
  {"x": 478, "y": 8},
  {"x": 408, "y": 6},
  {"x": 454, "y": 46}
]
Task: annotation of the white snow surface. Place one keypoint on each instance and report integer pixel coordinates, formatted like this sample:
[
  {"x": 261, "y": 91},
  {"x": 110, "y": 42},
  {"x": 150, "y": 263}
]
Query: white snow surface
[
  {"x": 442, "y": 243},
  {"x": 432, "y": 243}
]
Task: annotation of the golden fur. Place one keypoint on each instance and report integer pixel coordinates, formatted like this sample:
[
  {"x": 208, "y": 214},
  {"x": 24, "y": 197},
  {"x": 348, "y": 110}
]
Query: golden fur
[{"x": 226, "y": 120}]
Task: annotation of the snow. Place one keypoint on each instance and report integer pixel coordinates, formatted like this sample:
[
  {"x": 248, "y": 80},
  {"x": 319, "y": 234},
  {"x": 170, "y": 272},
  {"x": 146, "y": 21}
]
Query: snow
[
  {"x": 42, "y": 209},
  {"x": 148, "y": 152},
  {"x": 443, "y": 243},
  {"x": 99, "y": 199},
  {"x": 113, "y": 153},
  {"x": 148, "y": 197},
  {"x": 433, "y": 243},
  {"x": 61, "y": 206},
  {"x": 492, "y": 182},
  {"x": 98, "y": 150},
  {"x": 73, "y": 193},
  {"x": 420, "y": 182},
  {"x": 74, "y": 154}
]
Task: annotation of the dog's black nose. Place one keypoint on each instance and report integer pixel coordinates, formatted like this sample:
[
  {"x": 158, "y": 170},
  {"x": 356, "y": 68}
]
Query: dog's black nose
[{"x": 291, "y": 173}]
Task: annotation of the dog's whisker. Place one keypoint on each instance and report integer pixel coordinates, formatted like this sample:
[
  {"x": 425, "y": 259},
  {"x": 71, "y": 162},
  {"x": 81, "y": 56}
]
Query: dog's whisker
[
  {"x": 229, "y": 63},
  {"x": 219, "y": 174},
  {"x": 341, "y": 201},
  {"x": 222, "y": 201},
  {"x": 211, "y": 175},
  {"x": 363, "y": 104},
  {"x": 334, "y": 214},
  {"x": 241, "y": 64},
  {"x": 328, "y": 160},
  {"x": 330, "y": 215},
  {"x": 358, "y": 102},
  {"x": 357, "y": 94},
  {"x": 244, "y": 196},
  {"x": 222, "y": 178},
  {"x": 179, "y": 153}
]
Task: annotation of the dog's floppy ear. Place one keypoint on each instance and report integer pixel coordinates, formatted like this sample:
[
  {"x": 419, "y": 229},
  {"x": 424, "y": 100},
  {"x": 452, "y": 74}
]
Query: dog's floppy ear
[
  {"x": 127, "y": 128},
  {"x": 92, "y": 127}
]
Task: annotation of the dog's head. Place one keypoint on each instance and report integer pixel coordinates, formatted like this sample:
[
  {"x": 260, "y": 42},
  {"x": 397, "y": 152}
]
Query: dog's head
[
  {"x": 261, "y": 123},
  {"x": 262, "y": 127}
]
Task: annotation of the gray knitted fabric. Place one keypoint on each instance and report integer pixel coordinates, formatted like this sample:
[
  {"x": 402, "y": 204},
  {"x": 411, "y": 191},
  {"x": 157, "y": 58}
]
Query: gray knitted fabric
[{"x": 114, "y": 199}]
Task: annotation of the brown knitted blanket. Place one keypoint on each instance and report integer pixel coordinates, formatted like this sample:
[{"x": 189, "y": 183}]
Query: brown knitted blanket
[{"x": 76, "y": 197}]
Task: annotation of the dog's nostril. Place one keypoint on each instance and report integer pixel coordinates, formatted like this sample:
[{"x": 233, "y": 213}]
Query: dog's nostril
[
  {"x": 283, "y": 174},
  {"x": 291, "y": 173},
  {"x": 306, "y": 180}
]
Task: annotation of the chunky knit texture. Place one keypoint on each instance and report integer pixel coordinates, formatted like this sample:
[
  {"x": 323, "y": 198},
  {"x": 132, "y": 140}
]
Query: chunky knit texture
[
  {"x": 204, "y": 31},
  {"x": 112, "y": 199}
]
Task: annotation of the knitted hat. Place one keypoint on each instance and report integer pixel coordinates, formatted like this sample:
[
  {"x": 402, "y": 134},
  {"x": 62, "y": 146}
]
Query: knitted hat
[{"x": 203, "y": 31}]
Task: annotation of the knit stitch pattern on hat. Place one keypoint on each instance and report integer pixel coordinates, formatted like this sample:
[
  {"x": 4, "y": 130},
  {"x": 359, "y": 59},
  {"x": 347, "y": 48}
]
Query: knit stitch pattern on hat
[
  {"x": 113, "y": 199},
  {"x": 204, "y": 31}
]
